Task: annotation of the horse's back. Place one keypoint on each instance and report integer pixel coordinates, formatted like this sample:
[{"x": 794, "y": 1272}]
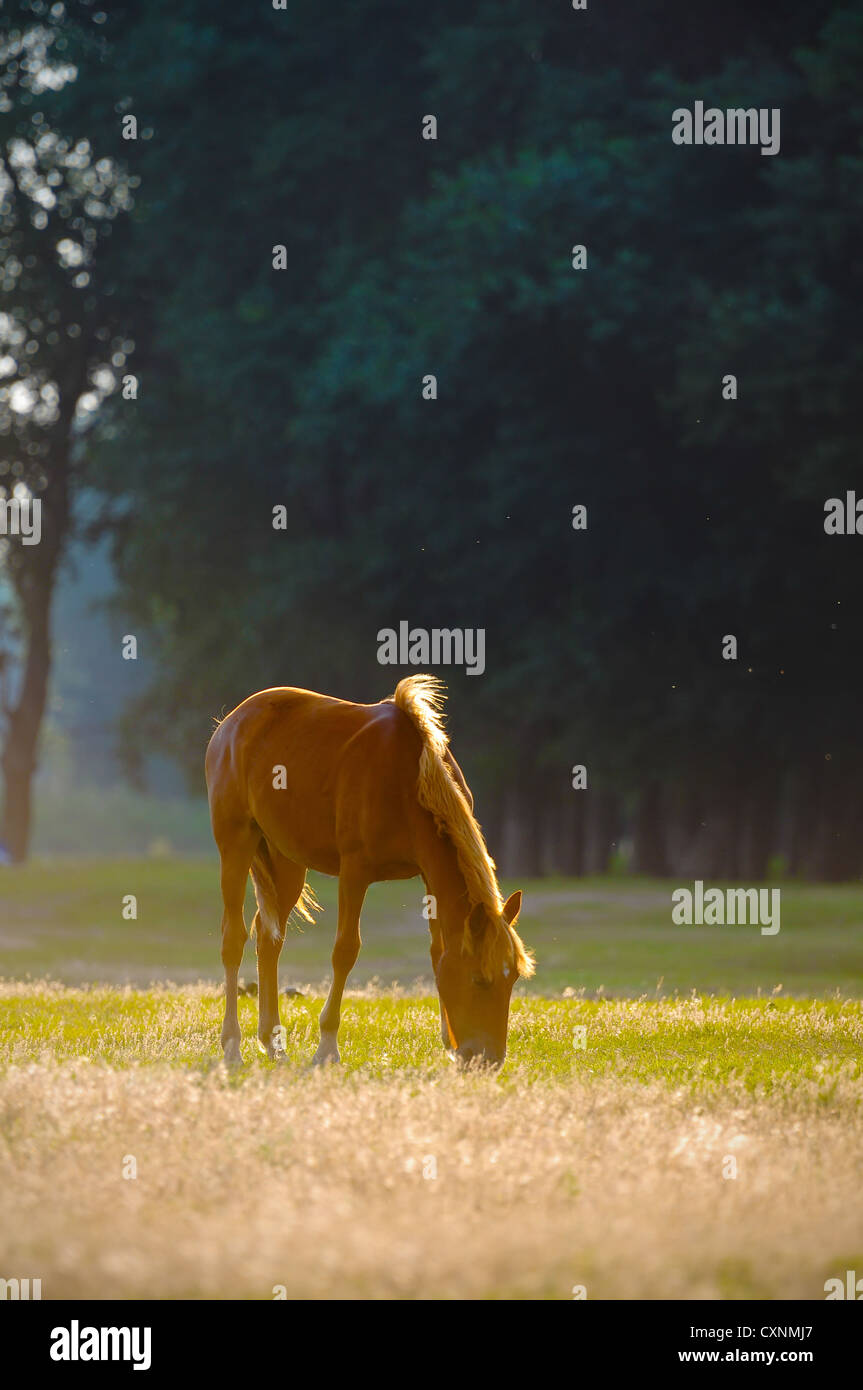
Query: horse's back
[
  {"x": 244, "y": 733},
  {"x": 321, "y": 776}
]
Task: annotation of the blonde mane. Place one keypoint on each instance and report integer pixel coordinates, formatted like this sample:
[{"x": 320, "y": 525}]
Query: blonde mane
[{"x": 421, "y": 697}]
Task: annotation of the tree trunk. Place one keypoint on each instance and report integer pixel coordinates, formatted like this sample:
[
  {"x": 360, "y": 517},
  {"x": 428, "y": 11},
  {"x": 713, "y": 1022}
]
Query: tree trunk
[
  {"x": 569, "y": 832},
  {"x": 758, "y": 828},
  {"x": 650, "y": 854},
  {"x": 603, "y": 823},
  {"x": 22, "y": 729},
  {"x": 34, "y": 582}
]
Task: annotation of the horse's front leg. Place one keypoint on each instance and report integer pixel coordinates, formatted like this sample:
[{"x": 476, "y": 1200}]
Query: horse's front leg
[
  {"x": 352, "y": 891},
  {"x": 436, "y": 953}
]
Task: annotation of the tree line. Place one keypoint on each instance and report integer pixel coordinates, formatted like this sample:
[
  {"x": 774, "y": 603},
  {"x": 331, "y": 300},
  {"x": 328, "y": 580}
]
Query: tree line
[{"x": 603, "y": 387}]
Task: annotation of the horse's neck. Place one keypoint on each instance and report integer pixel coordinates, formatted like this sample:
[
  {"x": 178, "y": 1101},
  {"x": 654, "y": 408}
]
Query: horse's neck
[{"x": 444, "y": 880}]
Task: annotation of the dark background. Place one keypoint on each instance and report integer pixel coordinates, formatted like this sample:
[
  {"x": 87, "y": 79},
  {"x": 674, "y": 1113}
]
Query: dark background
[{"x": 302, "y": 387}]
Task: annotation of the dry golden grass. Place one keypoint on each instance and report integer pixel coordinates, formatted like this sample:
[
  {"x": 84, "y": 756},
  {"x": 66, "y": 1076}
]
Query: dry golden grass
[{"x": 425, "y": 1183}]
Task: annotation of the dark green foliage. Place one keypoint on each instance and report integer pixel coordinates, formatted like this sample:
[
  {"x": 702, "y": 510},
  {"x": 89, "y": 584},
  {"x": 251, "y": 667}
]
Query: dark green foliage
[{"x": 408, "y": 257}]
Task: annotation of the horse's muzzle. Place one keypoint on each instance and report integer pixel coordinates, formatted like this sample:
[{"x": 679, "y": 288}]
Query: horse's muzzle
[{"x": 477, "y": 1057}]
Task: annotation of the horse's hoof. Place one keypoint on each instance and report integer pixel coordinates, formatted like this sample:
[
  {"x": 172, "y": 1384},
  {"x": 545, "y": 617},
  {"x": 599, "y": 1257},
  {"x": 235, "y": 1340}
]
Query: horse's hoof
[
  {"x": 324, "y": 1056},
  {"x": 233, "y": 1055}
]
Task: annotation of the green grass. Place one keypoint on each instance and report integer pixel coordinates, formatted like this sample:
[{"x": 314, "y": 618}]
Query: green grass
[
  {"x": 641, "y": 1060},
  {"x": 610, "y": 936},
  {"x": 70, "y": 818},
  {"x": 699, "y": 1043}
]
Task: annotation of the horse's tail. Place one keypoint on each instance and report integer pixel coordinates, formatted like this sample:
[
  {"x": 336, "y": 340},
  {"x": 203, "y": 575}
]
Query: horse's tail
[
  {"x": 267, "y": 895},
  {"x": 421, "y": 698}
]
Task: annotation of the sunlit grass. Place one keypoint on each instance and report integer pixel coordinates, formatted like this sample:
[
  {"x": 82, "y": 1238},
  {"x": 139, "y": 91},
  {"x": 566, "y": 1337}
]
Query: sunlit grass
[
  {"x": 690, "y": 1042},
  {"x": 606, "y": 1166}
]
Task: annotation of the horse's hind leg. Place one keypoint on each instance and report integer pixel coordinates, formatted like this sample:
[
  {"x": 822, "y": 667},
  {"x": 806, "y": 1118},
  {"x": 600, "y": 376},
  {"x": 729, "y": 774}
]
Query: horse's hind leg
[
  {"x": 278, "y": 884},
  {"x": 236, "y": 852}
]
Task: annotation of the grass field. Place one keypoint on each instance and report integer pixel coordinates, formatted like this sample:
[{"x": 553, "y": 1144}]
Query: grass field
[
  {"x": 642, "y": 1141},
  {"x": 64, "y": 918}
]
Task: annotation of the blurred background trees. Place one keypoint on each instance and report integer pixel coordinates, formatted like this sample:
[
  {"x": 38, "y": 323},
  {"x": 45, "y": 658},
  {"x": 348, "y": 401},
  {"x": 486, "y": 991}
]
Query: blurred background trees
[
  {"x": 556, "y": 387},
  {"x": 59, "y": 202}
]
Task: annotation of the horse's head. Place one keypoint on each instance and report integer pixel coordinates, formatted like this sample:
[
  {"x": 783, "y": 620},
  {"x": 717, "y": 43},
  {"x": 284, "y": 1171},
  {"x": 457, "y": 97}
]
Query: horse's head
[{"x": 475, "y": 975}]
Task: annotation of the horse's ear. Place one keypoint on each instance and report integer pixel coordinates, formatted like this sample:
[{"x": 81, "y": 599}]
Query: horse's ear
[{"x": 512, "y": 907}]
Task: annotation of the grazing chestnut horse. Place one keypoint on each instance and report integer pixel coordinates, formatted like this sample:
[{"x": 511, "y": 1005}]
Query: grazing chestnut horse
[{"x": 301, "y": 781}]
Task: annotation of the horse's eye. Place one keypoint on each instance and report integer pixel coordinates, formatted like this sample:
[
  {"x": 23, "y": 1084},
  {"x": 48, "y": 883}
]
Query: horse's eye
[{"x": 481, "y": 983}]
